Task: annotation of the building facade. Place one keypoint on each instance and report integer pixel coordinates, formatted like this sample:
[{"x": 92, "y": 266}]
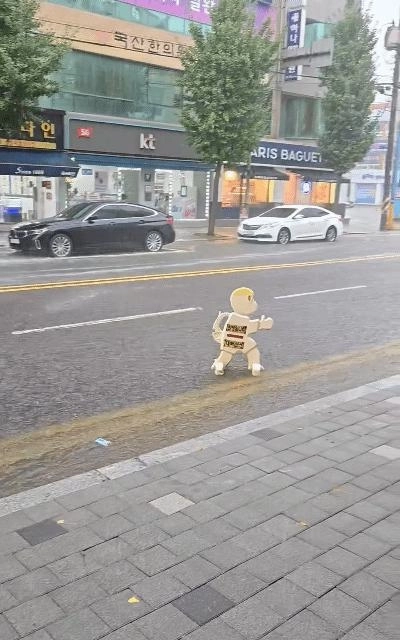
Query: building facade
[
  {"x": 306, "y": 32},
  {"x": 118, "y": 89}
]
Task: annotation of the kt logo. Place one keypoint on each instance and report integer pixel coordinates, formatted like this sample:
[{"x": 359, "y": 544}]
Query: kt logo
[{"x": 147, "y": 141}]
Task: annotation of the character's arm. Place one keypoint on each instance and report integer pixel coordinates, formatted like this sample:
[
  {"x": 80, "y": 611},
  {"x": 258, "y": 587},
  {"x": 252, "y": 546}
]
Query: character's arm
[
  {"x": 256, "y": 325},
  {"x": 217, "y": 329}
]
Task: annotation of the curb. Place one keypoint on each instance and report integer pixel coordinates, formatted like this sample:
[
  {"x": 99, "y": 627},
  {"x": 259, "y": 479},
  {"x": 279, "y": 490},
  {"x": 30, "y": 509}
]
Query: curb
[{"x": 48, "y": 492}]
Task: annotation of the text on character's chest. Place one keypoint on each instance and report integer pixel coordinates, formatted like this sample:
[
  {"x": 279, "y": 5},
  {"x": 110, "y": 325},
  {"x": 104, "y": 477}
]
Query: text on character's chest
[{"x": 236, "y": 331}]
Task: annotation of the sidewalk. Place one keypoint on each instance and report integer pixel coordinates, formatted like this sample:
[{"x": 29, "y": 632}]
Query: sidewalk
[{"x": 282, "y": 528}]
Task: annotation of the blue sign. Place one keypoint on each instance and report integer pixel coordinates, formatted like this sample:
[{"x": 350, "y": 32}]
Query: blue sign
[
  {"x": 306, "y": 187},
  {"x": 291, "y": 73},
  {"x": 365, "y": 193},
  {"x": 280, "y": 154},
  {"x": 294, "y": 29}
]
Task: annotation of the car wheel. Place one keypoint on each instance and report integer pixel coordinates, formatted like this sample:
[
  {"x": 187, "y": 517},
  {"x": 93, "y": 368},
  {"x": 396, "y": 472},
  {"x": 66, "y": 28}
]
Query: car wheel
[
  {"x": 331, "y": 234},
  {"x": 153, "y": 241},
  {"x": 283, "y": 236},
  {"x": 60, "y": 246}
]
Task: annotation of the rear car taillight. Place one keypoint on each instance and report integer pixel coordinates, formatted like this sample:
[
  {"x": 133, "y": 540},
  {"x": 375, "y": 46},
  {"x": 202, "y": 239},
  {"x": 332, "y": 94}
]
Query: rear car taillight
[{"x": 170, "y": 220}]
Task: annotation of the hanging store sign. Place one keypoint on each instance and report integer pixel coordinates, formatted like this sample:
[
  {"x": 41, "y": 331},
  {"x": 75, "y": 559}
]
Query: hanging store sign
[
  {"x": 295, "y": 28},
  {"x": 287, "y": 155},
  {"x": 293, "y": 73},
  {"x": 42, "y": 132}
]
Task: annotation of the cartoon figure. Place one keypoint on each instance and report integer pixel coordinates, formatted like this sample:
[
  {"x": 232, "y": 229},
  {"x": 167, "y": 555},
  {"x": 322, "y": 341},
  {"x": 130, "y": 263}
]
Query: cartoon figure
[{"x": 234, "y": 337}]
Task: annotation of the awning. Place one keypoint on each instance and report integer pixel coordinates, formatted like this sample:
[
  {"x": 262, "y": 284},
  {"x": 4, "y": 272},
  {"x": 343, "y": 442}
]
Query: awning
[
  {"x": 37, "y": 164},
  {"x": 132, "y": 162},
  {"x": 261, "y": 172},
  {"x": 319, "y": 175}
]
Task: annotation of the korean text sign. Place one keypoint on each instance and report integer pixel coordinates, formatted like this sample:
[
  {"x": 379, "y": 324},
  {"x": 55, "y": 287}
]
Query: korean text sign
[
  {"x": 295, "y": 34},
  {"x": 43, "y": 132}
]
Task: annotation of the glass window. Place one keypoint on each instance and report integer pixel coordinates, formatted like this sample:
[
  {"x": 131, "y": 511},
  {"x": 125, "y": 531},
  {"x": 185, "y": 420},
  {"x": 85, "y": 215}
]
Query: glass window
[
  {"x": 75, "y": 211},
  {"x": 312, "y": 213},
  {"x": 109, "y": 86},
  {"x": 278, "y": 212},
  {"x": 301, "y": 118},
  {"x": 317, "y": 31},
  {"x": 128, "y": 211},
  {"x": 130, "y": 13},
  {"x": 107, "y": 213}
]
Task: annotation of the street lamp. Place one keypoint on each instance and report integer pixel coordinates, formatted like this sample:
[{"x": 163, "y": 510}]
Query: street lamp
[{"x": 392, "y": 43}]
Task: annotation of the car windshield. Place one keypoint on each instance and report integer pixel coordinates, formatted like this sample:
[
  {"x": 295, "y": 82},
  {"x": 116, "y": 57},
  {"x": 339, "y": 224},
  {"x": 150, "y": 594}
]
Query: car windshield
[
  {"x": 74, "y": 212},
  {"x": 278, "y": 212}
]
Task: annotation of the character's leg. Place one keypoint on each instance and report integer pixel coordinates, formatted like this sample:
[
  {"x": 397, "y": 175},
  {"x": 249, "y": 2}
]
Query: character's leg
[
  {"x": 253, "y": 361},
  {"x": 221, "y": 362}
]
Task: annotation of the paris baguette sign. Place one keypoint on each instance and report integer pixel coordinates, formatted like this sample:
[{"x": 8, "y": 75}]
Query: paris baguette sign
[{"x": 280, "y": 154}]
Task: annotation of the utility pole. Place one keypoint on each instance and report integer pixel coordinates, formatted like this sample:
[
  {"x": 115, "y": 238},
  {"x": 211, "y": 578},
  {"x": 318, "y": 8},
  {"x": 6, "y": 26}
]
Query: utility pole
[
  {"x": 392, "y": 43},
  {"x": 276, "y": 84}
]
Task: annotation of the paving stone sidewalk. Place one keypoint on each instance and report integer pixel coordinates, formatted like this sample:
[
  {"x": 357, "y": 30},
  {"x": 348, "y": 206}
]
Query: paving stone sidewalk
[{"x": 287, "y": 529}]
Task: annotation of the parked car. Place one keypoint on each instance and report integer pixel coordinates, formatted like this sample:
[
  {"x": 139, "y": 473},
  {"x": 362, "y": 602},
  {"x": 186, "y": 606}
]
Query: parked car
[
  {"x": 292, "y": 222},
  {"x": 95, "y": 225}
]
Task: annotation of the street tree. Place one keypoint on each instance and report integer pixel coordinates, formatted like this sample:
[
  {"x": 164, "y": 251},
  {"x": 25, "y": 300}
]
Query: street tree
[
  {"x": 28, "y": 58},
  {"x": 225, "y": 88},
  {"x": 348, "y": 125}
]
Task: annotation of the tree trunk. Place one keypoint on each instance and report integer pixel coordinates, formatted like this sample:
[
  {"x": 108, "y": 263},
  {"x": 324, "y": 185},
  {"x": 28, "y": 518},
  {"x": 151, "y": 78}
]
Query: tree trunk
[
  {"x": 338, "y": 190},
  {"x": 245, "y": 209},
  {"x": 336, "y": 202},
  {"x": 212, "y": 216}
]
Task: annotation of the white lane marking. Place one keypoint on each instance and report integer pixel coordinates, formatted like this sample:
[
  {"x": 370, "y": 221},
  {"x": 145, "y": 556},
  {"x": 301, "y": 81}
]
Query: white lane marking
[
  {"x": 72, "y": 271},
  {"x": 316, "y": 293},
  {"x": 89, "y": 323},
  {"x": 38, "y": 259}
]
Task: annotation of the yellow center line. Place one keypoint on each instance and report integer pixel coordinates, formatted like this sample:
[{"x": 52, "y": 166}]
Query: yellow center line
[{"x": 188, "y": 274}]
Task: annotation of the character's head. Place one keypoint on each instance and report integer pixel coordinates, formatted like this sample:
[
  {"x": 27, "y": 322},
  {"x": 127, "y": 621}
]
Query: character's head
[{"x": 242, "y": 301}]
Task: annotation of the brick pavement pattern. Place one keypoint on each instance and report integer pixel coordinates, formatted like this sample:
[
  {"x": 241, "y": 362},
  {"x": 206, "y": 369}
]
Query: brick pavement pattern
[{"x": 289, "y": 532}]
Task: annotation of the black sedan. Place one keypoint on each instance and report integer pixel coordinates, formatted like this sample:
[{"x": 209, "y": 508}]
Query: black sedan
[{"x": 95, "y": 225}]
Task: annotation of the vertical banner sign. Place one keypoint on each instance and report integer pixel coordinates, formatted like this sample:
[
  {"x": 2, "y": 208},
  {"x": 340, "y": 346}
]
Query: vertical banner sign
[
  {"x": 295, "y": 25},
  {"x": 294, "y": 35}
]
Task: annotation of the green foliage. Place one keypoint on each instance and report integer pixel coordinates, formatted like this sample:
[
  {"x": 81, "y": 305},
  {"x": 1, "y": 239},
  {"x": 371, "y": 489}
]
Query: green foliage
[
  {"x": 225, "y": 97},
  {"x": 28, "y": 57},
  {"x": 349, "y": 128}
]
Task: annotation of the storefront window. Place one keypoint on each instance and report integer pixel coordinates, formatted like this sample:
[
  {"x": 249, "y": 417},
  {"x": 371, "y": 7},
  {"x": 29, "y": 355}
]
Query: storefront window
[
  {"x": 234, "y": 188},
  {"x": 107, "y": 86},
  {"x": 180, "y": 193},
  {"x": 130, "y": 13},
  {"x": 301, "y": 118}
]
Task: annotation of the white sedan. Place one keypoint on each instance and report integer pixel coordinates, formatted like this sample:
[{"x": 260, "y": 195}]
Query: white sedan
[{"x": 292, "y": 222}]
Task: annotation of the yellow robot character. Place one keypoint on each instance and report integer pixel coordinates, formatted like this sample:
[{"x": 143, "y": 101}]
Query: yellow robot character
[{"x": 234, "y": 336}]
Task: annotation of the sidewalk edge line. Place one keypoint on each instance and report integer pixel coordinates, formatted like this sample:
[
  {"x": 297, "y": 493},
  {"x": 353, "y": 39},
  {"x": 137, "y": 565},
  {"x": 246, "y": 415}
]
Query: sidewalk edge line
[{"x": 53, "y": 490}]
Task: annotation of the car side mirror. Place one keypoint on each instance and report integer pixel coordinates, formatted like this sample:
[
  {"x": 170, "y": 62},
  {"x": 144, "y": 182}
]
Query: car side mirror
[
  {"x": 92, "y": 219},
  {"x": 299, "y": 216}
]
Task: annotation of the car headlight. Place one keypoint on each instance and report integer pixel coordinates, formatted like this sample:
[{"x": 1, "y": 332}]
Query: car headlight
[
  {"x": 270, "y": 225},
  {"x": 38, "y": 232}
]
